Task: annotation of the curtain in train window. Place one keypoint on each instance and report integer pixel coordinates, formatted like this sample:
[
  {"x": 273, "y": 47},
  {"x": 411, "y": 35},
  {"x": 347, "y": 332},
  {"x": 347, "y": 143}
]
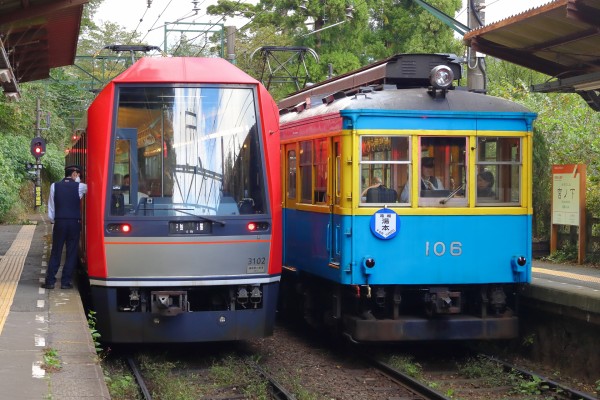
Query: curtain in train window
[{"x": 321, "y": 170}]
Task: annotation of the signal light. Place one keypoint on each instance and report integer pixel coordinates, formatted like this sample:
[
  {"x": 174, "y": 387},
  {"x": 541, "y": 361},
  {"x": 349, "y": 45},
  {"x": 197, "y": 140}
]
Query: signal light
[{"x": 38, "y": 147}]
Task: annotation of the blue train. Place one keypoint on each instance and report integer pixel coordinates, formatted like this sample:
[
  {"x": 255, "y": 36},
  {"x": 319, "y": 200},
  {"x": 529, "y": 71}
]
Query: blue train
[{"x": 406, "y": 204}]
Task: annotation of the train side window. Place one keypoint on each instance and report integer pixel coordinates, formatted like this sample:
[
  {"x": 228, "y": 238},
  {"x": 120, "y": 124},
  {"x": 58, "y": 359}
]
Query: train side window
[
  {"x": 306, "y": 171},
  {"x": 337, "y": 172},
  {"x": 498, "y": 171},
  {"x": 384, "y": 166},
  {"x": 291, "y": 174},
  {"x": 320, "y": 170},
  {"x": 313, "y": 171}
]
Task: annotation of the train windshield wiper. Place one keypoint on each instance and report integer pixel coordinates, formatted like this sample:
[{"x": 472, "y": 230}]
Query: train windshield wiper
[
  {"x": 203, "y": 217},
  {"x": 451, "y": 195}
]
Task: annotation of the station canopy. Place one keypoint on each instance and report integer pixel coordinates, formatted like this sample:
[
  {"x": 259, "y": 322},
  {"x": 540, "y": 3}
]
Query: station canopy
[
  {"x": 36, "y": 35},
  {"x": 560, "y": 39}
]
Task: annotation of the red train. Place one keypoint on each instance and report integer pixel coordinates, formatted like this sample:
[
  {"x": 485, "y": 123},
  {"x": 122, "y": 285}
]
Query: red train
[{"x": 182, "y": 220}]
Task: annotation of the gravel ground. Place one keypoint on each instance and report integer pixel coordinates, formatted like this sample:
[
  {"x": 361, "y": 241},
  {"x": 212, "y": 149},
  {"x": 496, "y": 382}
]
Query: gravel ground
[{"x": 307, "y": 365}]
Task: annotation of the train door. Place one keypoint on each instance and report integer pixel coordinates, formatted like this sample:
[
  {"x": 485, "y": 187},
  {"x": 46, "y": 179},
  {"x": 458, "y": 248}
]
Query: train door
[
  {"x": 335, "y": 222},
  {"x": 125, "y": 177},
  {"x": 290, "y": 185}
]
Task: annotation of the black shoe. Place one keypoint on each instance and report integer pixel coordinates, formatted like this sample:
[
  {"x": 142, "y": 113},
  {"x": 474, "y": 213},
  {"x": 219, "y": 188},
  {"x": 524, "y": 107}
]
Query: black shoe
[
  {"x": 48, "y": 286},
  {"x": 67, "y": 286}
]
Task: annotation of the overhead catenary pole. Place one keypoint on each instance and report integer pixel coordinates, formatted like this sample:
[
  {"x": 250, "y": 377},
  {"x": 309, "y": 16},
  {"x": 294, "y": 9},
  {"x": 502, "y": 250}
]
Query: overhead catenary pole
[
  {"x": 476, "y": 79},
  {"x": 231, "y": 44},
  {"x": 38, "y": 164}
]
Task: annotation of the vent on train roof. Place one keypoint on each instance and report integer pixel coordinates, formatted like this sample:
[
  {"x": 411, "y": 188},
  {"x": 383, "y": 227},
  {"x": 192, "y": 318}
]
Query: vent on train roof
[{"x": 401, "y": 70}]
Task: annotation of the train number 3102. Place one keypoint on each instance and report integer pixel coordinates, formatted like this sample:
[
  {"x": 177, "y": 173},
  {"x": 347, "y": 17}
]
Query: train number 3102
[{"x": 441, "y": 248}]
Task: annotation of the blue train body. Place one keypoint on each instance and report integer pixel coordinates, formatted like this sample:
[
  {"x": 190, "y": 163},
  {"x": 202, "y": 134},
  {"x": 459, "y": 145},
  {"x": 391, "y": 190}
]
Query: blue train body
[{"x": 407, "y": 207}]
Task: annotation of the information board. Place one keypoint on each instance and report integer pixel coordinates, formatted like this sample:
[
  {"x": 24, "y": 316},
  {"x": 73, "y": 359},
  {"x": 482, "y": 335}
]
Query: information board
[
  {"x": 568, "y": 203},
  {"x": 565, "y": 195}
]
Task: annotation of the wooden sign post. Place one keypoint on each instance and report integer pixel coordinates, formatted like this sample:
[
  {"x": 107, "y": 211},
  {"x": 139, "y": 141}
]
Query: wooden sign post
[{"x": 568, "y": 203}]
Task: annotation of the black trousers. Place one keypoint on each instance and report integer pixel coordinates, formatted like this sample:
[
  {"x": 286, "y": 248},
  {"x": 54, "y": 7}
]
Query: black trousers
[{"x": 64, "y": 231}]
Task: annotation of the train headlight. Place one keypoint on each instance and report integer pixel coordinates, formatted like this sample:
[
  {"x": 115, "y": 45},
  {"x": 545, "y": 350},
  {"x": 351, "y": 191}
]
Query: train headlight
[{"x": 441, "y": 77}]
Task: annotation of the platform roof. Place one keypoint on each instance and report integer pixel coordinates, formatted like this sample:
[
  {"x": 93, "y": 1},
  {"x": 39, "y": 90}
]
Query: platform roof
[
  {"x": 560, "y": 39},
  {"x": 36, "y": 35}
]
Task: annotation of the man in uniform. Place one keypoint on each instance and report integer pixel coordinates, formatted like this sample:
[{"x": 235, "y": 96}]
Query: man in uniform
[{"x": 64, "y": 210}]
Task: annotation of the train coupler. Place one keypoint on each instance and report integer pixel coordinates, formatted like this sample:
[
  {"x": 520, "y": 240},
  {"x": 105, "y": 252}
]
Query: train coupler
[
  {"x": 169, "y": 303},
  {"x": 442, "y": 301}
]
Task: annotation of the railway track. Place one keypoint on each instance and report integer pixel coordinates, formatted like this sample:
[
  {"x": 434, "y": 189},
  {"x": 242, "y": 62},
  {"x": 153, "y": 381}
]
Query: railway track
[
  {"x": 292, "y": 365},
  {"x": 458, "y": 383}
]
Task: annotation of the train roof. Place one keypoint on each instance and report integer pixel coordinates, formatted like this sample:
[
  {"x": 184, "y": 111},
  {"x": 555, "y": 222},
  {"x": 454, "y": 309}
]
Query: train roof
[
  {"x": 405, "y": 100},
  {"x": 184, "y": 70}
]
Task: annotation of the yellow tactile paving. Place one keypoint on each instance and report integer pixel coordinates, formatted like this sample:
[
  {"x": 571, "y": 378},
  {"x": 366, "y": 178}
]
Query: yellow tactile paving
[
  {"x": 11, "y": 266},
  {"x": 570, "y": 275}
]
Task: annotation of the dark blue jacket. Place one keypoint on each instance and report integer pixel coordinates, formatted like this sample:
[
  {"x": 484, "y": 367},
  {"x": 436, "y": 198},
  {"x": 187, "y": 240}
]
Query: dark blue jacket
[{"x": 67, "y": 203}]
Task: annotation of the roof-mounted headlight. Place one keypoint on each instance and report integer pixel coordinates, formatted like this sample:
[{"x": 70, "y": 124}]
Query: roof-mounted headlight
[{"x": 441, "y": 77}]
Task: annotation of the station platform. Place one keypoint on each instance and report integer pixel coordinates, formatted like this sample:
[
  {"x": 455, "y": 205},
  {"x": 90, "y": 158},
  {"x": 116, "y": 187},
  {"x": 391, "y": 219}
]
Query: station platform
[
  {"x": 566, "y": 289},
  {"x": 35, "y": 321}
]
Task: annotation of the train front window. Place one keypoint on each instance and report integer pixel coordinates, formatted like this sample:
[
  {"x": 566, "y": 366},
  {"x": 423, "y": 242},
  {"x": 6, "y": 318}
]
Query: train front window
[
  {"x": 187, "y": 150},
  {"x": 443, "y": 173},
  {"x": 498, "y": 171},
  {"x": 384, "y": 166}
]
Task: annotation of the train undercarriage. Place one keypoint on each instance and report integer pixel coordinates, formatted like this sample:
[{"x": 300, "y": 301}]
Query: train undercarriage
[{"x": 368, "y": 313}]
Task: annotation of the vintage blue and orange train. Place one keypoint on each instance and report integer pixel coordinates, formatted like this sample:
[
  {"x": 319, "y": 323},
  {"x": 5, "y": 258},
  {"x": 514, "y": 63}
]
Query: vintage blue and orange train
[
  {"x": 182, "y": 220},
  {"x": 407, "y": 204}
]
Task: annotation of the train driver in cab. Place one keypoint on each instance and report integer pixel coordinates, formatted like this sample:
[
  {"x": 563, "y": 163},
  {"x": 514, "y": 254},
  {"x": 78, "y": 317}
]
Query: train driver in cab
[{"x": 428, "y": 180}]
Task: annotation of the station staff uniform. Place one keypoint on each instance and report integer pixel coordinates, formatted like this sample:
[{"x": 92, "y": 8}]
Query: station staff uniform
[{"x": 64, "y": 210}]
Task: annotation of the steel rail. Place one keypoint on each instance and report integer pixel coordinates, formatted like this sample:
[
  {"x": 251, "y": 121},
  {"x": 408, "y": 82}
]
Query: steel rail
[
  {"x": 563, "y": 391},
  {"x": 138, "y": 378},
  {"x": 276, "y": 389},
  {"x": 407, "y": 381}
]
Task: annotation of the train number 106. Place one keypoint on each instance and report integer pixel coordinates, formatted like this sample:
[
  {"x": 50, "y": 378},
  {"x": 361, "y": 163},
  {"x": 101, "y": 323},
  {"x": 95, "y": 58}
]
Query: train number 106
[{"x": 440, "y": 248}]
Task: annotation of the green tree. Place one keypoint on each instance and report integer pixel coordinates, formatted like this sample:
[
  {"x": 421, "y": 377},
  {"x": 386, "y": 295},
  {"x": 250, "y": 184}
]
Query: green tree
[
  {"x": 345, "y": 34},
  {"x": 565, "y": 133}
]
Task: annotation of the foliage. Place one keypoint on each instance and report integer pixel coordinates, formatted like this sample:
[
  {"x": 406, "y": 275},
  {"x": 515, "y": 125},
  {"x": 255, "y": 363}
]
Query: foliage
[
  {"x": 91, "y": 318},
  {"x": 51, "y": 360},
  {"x": 484, "y": 369},
  {"x": 407, "y": 365},
  {"x": 542, "y": 185},
  {"x": 345, "y": 35},
  {"x": 120, "y": 381},
  {"x": 564, "y": 133},
  {"x": 9, "y": 187}
]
